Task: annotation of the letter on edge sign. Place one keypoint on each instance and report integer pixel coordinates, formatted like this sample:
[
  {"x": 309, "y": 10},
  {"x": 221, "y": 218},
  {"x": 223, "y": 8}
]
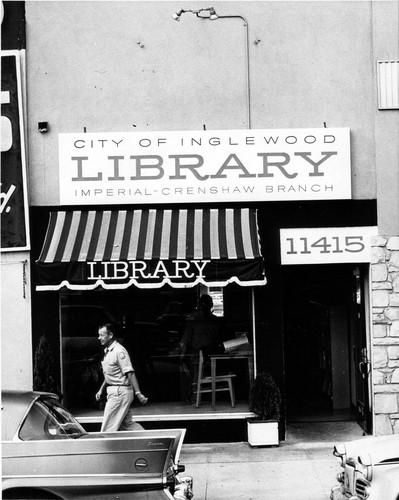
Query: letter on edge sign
[{"x": 13, "y": 197}]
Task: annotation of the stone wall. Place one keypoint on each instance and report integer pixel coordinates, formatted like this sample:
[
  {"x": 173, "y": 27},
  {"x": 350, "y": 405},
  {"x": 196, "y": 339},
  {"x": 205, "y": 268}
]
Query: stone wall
[{"x": 385, "y": 336}]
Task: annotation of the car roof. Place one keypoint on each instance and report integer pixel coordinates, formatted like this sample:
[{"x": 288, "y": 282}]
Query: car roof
[{"x": 14, "y": 406}]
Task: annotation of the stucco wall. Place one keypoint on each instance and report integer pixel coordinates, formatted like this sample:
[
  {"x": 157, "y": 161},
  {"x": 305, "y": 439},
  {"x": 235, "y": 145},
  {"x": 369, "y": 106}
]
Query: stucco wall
[
  {"x": 16, "y": 332},
  {"x": 386, "y": 47},
  {"x": 125, "y": 66}
]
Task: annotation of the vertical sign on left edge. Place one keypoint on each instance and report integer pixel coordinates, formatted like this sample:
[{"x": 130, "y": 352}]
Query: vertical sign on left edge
[{"x": 13, "y": 198}]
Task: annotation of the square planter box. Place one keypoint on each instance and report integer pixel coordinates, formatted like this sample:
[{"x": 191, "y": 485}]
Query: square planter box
[{"x": 262, "y": 432}]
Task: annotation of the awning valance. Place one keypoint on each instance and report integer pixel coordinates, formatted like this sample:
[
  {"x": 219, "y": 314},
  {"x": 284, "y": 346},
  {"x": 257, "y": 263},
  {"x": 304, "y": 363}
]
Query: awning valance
[{"x": 150, "y": 248}]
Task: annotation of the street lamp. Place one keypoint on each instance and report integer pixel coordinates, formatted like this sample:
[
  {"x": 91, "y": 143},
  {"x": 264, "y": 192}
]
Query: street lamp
[{"x": 209, "y": 13}]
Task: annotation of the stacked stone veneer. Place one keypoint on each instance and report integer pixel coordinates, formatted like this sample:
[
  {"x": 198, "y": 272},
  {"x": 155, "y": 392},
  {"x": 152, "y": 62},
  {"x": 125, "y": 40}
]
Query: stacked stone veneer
[{"x": 385, "y": 335}]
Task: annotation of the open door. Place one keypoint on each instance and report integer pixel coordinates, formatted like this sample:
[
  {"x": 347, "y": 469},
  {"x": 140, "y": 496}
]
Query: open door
[{"x": 360, "y": 350}]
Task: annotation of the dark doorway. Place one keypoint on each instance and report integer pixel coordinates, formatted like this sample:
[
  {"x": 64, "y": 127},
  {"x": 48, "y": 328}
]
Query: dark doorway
[{"x": 324, "y": 332}]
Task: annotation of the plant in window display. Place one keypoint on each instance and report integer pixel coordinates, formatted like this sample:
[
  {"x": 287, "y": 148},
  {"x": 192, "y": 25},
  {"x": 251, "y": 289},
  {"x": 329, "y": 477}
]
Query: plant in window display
[{"x": 43, "y": 369}]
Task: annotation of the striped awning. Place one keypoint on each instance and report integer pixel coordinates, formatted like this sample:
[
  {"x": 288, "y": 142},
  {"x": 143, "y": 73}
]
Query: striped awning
[{"x": 150, "y": 248}]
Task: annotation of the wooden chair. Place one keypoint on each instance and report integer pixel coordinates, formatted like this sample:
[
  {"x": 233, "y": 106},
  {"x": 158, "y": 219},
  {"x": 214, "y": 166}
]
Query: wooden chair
[{"x": 223, "y": 382}]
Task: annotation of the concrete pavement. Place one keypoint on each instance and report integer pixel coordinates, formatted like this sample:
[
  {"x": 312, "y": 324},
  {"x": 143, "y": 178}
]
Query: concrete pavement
[{"x": 301, "y": 468}]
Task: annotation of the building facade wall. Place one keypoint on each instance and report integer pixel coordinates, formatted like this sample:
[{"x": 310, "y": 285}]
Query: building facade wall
[
  {"x": 384, "y": 269},
  {"x": 16, "y": 330},
  {"x": 386, "y": 47},
  {"x": 311, "y": 64}
]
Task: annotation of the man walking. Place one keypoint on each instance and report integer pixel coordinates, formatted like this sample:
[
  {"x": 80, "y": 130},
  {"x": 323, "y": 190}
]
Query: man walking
[{"x": 120, "y": 384}]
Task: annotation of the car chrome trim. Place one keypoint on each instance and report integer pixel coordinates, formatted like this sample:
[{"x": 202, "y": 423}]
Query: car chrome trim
[
  {"x": 389, "y": 461},
  {"x": 114, "y": 475},
  {"x": 180, "y": 445},
  {"x": 362, "y": 489},
  {"x": 168, "y": 494}
]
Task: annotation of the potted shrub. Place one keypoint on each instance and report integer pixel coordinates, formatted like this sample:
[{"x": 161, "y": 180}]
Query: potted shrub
[
  {"x": 44, "y": 378},
  {"x": 265, "y": 403}
]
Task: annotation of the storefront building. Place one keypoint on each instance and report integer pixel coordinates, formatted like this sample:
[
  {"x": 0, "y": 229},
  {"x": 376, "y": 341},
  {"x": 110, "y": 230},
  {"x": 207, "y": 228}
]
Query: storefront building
[{"x": 213, "y": 155}]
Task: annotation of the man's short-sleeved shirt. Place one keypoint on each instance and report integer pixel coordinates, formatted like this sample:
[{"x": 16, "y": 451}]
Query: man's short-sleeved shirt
[{"x": 116, "y": 365}]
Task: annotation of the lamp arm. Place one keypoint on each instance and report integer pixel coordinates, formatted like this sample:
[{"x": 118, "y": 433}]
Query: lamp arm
[
  {"x": 213, "y": 17},
  {"x": 248, "y": 88}
]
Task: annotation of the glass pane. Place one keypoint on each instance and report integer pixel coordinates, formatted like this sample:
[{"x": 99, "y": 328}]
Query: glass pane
[
  {"x": 48, "y": 420},
  {"x": 151, "y": 325}
]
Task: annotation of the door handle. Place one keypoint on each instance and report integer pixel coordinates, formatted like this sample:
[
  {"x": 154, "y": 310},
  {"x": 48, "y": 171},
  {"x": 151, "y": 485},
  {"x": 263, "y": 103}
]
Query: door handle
[{"x": 364, "y": 368}]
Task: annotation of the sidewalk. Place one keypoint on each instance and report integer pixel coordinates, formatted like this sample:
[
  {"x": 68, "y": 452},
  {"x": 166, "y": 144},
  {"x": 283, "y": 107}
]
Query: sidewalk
[{"x": 301, "y": 468}]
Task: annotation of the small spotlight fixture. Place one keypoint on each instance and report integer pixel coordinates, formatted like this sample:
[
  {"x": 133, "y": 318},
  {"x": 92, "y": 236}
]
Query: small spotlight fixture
[
  {"x": 206, "y": 13},
  {"x": 212, "y": 14},
  {"x": 176, "y": 15},
  {"x": 42, "y": 127}
]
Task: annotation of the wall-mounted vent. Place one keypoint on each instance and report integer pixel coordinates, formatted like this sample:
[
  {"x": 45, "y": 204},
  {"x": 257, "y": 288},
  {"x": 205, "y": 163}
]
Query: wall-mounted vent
[{"x": 388, "y": 84}]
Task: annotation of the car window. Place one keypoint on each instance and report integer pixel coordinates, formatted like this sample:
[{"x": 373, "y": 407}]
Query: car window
[{"x": 47, "y": 419}]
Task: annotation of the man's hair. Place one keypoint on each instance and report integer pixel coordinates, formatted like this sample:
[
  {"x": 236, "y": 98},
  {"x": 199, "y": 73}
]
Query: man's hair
[
  {"x": 110, "y": 328},
  {"x": 205, "y": 301}
]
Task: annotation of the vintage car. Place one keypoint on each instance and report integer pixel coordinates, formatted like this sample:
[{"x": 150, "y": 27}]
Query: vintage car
[
  {"x": 47, "y": 454},
  {"x": 371, "y": 469}
]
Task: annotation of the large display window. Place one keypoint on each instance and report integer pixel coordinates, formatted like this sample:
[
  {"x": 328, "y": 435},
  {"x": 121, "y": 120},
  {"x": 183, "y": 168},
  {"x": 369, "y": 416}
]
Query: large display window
[{"x": 151, "y": 325}]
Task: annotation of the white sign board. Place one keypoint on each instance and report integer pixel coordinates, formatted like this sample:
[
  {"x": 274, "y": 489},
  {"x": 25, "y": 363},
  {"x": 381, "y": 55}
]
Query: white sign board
[
  {"x": 326, "y": 245},
  {"x": 204, "y": 166}
]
